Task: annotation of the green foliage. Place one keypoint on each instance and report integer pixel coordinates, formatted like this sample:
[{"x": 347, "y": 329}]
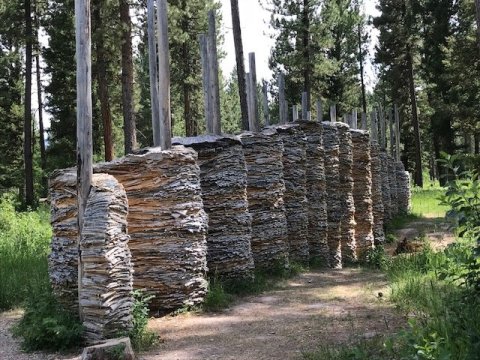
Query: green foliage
[
  {"x": 24, "y": 246},
  {"x": 426, "y": 202},
  {"x": 217, "y": 298},
  {"x": 376, "y": 258},
  {"x": 46, "y": 326},
  {"x": 142, "y": 339}
]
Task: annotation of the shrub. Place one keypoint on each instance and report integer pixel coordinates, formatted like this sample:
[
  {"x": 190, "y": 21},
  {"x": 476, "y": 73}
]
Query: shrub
[
  {"x": 141, "y": 338},
  {"x": 46, "y": 326}
]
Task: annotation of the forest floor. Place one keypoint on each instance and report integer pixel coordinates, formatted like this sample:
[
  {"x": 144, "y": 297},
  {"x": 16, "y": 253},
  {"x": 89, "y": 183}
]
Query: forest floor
[{"x": 314, "y": 309}]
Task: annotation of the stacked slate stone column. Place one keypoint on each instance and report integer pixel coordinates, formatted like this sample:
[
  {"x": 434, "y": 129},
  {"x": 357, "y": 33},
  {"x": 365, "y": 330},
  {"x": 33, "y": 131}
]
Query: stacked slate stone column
[
  {"x": 403, "y": 181},
  {"x": 377, "y": 193},
  {"x": 296, "y": 205},
  {"x": 386, "y": 196},
  {"x": 349, "y": 254},
  {"x": 316, "y": 196},
  {"x": 265, "y": 190},
  {"x": 362, "y": 192},
  {"x": 224, "y": 188},
  {"x": 106, "y": 299},
  {"x": 63, "y": 259},
  {"x": 166, "y": 223},
  {"x": 333, "y": 200},
  {"x": 392, "y": 177}
]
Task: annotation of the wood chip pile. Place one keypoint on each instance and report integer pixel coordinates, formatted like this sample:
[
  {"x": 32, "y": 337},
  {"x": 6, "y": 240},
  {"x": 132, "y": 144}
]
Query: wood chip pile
[
  {"x": 377, "y": 194},
  {"x": 403, "y": 180},
  {"x": 316, "y": 196},
  {"x": 63, "y": 259},
  {"x": 265, "y": 191},
  {"x": 334, "y": 205},
  {"x": 387, "y": 209},
  {"x": 106, "y": 299},
  {"x": 392, "y": 177},
  {"x": 362, "y": 192},
  {"x": 224, "y": 188},
  {"x": 347, "y": 226},
  {"x": 296, "y": 205},
  {"x": 166, "y": 223}
]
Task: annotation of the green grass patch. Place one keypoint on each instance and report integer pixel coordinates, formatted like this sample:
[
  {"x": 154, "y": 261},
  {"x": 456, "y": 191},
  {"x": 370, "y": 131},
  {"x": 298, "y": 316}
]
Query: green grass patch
[
  {"x": 24, "y": 247},
  {"x": 425, "y": 202}
]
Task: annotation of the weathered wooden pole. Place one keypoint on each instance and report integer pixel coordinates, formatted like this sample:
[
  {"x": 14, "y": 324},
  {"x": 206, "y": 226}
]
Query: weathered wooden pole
[
  {"x": 253, "y": 89},
  {"x": 164, "y": 76},
  {"x": 294, "y": 113},
  {"x": 83, "y": 41},
  {"x": 266, "y": 114},
  {"x": 333, "y": 112},
  {"x": 213, "y": 64},
  {"x": 354, "y": 120},
  {"x": 397, "y": 133},
  {"x": 250, "y": 102},
  {"x": 319, "y": 111},
  {"x": 364, "y": 121},
  {"x": 282, "y": 104},
  {"x": 374, "y": 126},
  {"x": 152, "y": 64},
  {"x": 304, "y": 105},
  {"x": 392, "y": 135},
  {"x": 202, "y": 39}
]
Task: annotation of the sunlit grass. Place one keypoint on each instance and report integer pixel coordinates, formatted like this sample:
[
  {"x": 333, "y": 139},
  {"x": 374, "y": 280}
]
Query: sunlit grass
[{"x": 425, "y": 202}]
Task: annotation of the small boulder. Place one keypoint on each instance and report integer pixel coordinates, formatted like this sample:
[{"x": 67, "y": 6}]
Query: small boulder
[{"x": 114, "y": 349}]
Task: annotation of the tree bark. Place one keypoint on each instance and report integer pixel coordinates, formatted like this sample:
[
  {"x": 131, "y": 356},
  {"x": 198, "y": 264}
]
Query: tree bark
[
  {"x": 27, "y": 127},
  {"x": 43, "y": 157},
  {"x": 477, "y": 16},
  {"x": 418, "y": 178},
  {"x": 307, "y": 68},
  {"x": 102, "y": 82},
  {"x": 242, "y": 87},
  {"x": 129, "y": 128}
]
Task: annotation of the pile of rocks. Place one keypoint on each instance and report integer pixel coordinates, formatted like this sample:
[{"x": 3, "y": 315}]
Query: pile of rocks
[
  {"x": 106, "y": 299},
  {"x": 296, "y": 205},
  {"x": 377, "y": 194},
  {"x": 362, "y": 192},
  {"x": 345, "y": 189},
  {"x": 223, "y": 179},
  {"x": 316, "y": 196},
  {"x": 334, "y": 204},
  {"x": 265, "y": 191}
]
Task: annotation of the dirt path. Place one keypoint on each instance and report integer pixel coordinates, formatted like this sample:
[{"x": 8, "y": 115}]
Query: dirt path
[
  {"x": 316, "y": 308},
  {"x": 320, "y": 307}
]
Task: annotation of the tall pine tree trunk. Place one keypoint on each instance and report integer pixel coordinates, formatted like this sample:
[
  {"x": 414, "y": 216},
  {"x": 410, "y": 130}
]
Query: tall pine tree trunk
[
  {"x": 27, "y": 128},
  {"x": 102, "y": 81},
  {"x": 43, "y": 157},
  {"x": 307, "y": 65},
  {"x": 129, "y": 128},
  {"x": 242, "y": 86},
  {"x": 418, "y": 178}
]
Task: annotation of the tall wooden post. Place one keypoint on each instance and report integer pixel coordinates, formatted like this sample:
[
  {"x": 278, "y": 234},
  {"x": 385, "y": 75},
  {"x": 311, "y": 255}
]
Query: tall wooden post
[
  {"x": 213, "y": 69},
  {"x": 364, "y": 121},
  {"x": 152, "y": 64},
  {"x": 164, "y": 76},
  {"x": 84, "y": 118},
  {"x": 202, "y": 39},
  {"x": 282, "y": 104},
  {"x": 397, "y": 133},
  {"x": 266, "y": 114},
  {"x": 251, "y": 108},
  {"x": 304, "y": 105},
  {"x": 333, "y": 112},
  {"x": 253, "y": 89},
  {"x": 319, "y": 111},
  {"x": 354, "y": 119}
]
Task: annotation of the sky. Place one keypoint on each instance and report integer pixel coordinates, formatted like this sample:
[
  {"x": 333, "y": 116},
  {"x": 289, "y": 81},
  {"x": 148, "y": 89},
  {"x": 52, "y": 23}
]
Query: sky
[{"x": 255, "y": 35}]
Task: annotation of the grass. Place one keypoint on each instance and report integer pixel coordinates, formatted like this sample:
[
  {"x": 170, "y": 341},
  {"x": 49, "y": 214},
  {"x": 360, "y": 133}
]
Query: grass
[
  {"x": 24, "y": 247},
  {"x": 425, "y": 202}
]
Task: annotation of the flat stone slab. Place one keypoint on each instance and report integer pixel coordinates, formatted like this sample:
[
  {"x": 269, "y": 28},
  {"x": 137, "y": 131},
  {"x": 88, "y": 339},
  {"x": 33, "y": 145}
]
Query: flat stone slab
[{"x": 120, "y": 348}]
